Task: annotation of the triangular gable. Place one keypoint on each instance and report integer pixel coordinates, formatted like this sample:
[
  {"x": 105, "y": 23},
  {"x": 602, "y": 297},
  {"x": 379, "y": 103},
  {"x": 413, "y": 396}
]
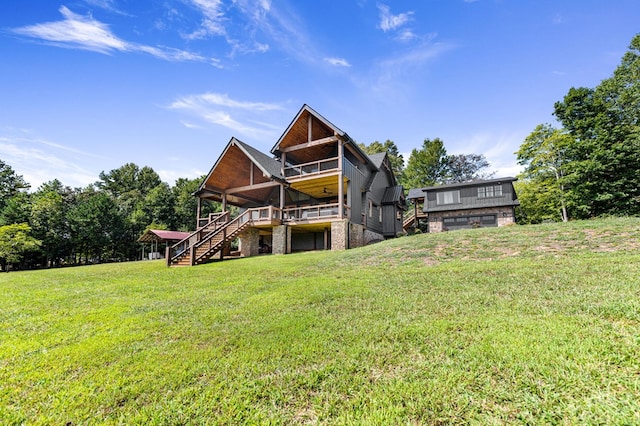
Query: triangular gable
[
  {"x": 268, "y": 165},
  {"x": 243, "y": 173},
  {"x": 298, "y": 130}
]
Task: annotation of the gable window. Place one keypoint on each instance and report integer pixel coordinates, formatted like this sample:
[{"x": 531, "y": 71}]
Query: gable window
[
  {"x": 490, "y": 191},
  {"x": 448, "y": 197}
]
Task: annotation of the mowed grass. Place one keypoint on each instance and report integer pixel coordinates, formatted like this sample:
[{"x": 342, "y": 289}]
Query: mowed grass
[{"x": 522, "y": 324}]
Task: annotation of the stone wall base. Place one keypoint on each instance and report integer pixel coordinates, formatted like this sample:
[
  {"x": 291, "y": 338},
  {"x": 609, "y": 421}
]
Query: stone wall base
[
  {"x": 504, "y": 216},
  {"x": 281, "y": 240},
  {"x": 356, "y": 235},
  {"x": 372, "y": 237},
  {"x": 340, "y": 235},
  {"x": 249, "y": 242}
]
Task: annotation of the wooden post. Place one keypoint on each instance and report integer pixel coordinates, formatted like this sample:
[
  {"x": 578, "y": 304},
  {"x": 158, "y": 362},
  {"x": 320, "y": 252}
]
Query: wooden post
[
  {"x": 340, "y": 180},
  {"x": 282, "y": 197},
  {"x": 326, "y": 238},
  {"x": 224, "y": 243},
  {"x": 198, "y": 212},
  {"x": 224, "y": 202}
]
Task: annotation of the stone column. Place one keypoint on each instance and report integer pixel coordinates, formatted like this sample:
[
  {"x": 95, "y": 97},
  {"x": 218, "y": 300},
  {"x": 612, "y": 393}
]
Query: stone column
[
  {"x": 340, "y": 234},
  {"x": 249, "y": 242},
  {"x": 281, "y": 240},
  {"x": 356, "y": 235}
]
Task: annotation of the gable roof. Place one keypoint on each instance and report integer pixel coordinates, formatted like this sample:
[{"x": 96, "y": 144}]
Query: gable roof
[
  {"x": 378, "y": 158},
  {"x": 415, "y": 193},
  {"x": 304, "y": 111},
  {"x": 267, "y": 164},
  {"x": 162, "y": 236}
]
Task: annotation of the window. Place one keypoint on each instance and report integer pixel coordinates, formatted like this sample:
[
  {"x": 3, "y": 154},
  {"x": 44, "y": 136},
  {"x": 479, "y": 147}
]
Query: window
[
  {"x": 490, "y": 191},
  {"x": 448, "y": 197},
  {"x": 370, "y": 208},
  {"x": 379, "y": 214}
]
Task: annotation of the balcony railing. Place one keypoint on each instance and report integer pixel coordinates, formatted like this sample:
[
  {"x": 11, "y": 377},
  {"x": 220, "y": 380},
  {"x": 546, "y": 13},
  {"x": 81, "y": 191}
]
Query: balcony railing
[
  {"x": 312, "y": 168},
  {"x": 318, "y": 212},
  {"x": 265, "y": 214}
]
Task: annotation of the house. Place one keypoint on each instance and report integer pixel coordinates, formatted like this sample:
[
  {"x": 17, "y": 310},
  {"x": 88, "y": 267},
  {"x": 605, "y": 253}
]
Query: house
[
  {"x": 473, "y": 204},
  {"x": 316, "y": 190}
]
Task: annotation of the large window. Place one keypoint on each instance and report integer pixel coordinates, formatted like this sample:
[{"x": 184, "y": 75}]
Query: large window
[
  {"x": 490, "y": 191},
  {"x": 448, "y": 197}
]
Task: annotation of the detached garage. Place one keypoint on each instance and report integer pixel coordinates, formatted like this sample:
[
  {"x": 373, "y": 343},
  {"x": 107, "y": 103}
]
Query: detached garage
[{"x": 467, "y": 205}]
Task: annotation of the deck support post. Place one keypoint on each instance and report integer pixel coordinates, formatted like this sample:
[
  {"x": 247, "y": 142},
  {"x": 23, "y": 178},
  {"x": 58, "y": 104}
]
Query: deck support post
[
  {"x": 281, "y": 240},
  {"x": 340, "y": 180}
]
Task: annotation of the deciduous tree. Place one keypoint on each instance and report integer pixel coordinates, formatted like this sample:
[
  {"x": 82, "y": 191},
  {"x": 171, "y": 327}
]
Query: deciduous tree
[
  {"x": 15, "y": 241},
  {"x": 427, "y": 165},
  {"x": 544, "y": 153}
]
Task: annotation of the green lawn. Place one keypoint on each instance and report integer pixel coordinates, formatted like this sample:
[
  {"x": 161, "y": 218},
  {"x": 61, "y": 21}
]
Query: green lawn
[{"x": 535, "y": 324}]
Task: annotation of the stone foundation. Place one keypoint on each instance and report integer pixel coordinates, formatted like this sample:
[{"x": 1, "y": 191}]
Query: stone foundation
[
  {"x": 249, "y": 242},
  {"x": 372, "y": 237},
  {"x": 504, "y": 216},
  {"x": 339, "y": 235},
  {"x": 356, "y": 235},
  {"x": 281, "y": 240}
]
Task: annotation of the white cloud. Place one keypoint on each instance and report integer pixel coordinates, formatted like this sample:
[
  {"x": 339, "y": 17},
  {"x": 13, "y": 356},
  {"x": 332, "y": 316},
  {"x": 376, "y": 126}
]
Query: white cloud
[
  {"x": 239, "y": 116},
  {"x": 338, "y": 62},
  {"x": 171, "y": 176},
  {"x": 83, "y": 32},
  {"x": 213, "y": 21},
  {"x": 40, "y": 161},
  {"x": 392, "y": 71},
  {"x": 389, "y": 21},
  {"x": 498, "y": 147}
]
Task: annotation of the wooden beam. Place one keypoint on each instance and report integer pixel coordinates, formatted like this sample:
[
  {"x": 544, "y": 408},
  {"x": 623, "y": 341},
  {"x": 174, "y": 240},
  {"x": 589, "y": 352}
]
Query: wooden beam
[
  {"x": 250, "y": 187},
  {"x": 309, "y": 144}
]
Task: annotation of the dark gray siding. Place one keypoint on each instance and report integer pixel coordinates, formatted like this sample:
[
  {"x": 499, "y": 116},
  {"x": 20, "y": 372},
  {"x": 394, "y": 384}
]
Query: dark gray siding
[
  {"x": 469, "y": 198},
  {"x": 357, "y": 181}
]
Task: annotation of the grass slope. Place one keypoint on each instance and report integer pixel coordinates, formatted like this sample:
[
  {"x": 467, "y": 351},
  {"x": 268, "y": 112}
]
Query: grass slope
[{"x": 535, "y": 324}]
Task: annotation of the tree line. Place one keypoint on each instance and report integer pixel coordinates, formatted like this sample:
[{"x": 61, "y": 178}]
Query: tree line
[
  {"x": 57, "y": 224},
  {"x": 588, "y": 166}
]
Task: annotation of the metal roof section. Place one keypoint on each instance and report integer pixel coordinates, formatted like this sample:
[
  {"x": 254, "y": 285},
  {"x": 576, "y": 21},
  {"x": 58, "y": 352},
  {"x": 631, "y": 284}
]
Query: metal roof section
[
  {"x": 393, "y": 195},
  {"x": 466, "y": 184},
  {"x": 269, "y": 165}
]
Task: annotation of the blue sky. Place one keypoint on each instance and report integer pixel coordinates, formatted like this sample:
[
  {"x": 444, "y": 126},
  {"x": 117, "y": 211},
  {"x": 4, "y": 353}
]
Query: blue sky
[{"x": 89, "y": 85}]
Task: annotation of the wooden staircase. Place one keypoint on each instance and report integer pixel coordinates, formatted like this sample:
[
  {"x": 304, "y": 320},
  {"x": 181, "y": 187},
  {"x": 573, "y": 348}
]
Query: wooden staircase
[
  {"x": 409, "y": 220},
  {"x": 203, "y": 244}
]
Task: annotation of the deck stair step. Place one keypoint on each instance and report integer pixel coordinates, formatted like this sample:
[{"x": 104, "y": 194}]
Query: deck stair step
[{"x": 210, "y": 239}]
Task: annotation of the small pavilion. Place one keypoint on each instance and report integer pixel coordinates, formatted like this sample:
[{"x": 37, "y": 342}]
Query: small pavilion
[{"x": 159, "y": 237}]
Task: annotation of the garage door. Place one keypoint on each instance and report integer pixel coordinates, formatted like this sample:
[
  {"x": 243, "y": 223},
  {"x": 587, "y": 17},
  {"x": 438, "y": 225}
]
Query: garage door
[{"x": 467, "y": 222}]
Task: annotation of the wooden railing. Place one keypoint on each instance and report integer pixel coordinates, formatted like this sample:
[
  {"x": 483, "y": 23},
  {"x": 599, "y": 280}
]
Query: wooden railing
[
  {"x": 312, "y": 168},
  {"x": 211, "y": 238},
  {"x": 212, "y": 218},
  {"x": 321, "y": 211},
  {"x": 268, "y": 213}
]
